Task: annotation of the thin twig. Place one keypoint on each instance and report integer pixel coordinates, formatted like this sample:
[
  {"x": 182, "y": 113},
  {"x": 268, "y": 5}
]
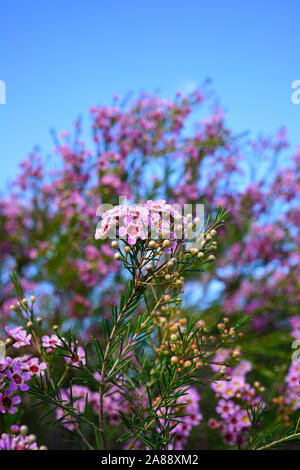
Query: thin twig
[{"x": 274, "y": 443}]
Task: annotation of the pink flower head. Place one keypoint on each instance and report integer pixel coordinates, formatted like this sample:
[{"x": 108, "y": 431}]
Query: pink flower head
[
  {"x": 35, "y": 367},
  {"x": 230, "y": 437},
  {"x": 17, "y": 379},
  {"x": 213, "y": 423},
  {"x": 78, "y": 356},
  {"x": 137, "y": 222},
  {"x": 226, "y": 408},
  {"x": 19, "y": 335},
  {"x": 7, "y": 402},
  {"x": 50, "y": 342}
]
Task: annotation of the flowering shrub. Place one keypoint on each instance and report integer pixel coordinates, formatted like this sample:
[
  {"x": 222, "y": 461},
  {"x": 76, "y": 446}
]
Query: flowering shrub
[{"x": 116, "y": 341}]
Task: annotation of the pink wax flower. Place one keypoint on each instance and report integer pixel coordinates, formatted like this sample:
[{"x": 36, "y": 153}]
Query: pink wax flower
[
  {"x": 19, "y": 335},
  {"x": 77, "y": 357},
  {"x": 8, "y": 402},
  {"x": 50, "y": 342}
]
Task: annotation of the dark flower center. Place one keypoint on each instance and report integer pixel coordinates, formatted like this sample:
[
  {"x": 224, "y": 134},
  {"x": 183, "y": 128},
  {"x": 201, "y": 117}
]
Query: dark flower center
[
  {"x": 7, "y": 402},
  {"x": 17, "y": 379}
]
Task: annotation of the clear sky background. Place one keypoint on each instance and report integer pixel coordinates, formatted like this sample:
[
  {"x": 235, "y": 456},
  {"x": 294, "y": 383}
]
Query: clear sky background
[{"x": 59, "y": 57}]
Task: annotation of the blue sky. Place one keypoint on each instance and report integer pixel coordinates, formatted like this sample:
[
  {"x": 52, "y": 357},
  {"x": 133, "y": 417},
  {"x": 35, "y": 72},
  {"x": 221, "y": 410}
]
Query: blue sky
[{"x": 58, "y": 58}]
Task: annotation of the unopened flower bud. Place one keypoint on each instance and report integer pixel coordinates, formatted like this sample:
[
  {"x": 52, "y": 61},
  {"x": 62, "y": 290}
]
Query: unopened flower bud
[
  {"x": 31, "y": 438},
  {"x": 29, "y": 325},
  {"x": 43, "y": 448},
  {"x": 187, "y": 364},
  {"x": 211, "y": 258},
  {"x": 13, "y": 307},
  {"x": 32, "y": 299},
  {"x": 8, "y": 342},
  {"x": 151, "y": 244},
  {"x": 117, "y": 256},
  {"x": 24, "y": 301},
  {"x": 212, "y": 248},
  {"x": 55, "y": 327},
  {"x": 174, "y": 359},
  {"x": 148, "y": 267},
  {"x": 173, "y": 337},
  {"x": 200, "y": 254},
  {"x": 24, "y": 430},
  {"x": 114, "y": 244},
  {"x": 39, "y": 320},
  {"x": 166, "y": 243}
]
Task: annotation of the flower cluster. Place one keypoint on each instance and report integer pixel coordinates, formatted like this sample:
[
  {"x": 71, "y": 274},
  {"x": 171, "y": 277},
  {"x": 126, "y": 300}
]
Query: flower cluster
[
  {"x": 292, "y": 378},
  {"x": 113, "y": 403},
  {"x": 17, "y": 439},
  {"x": 289, "y": 400},
  {"x": 14, "y": 377},
  {"x": 190, "y": 415},
  {"x": 133, "y": 223},
  {"x": 235, "y": 396}
]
